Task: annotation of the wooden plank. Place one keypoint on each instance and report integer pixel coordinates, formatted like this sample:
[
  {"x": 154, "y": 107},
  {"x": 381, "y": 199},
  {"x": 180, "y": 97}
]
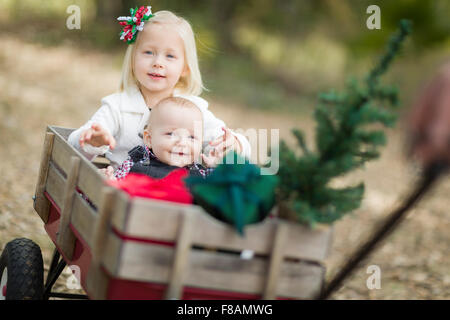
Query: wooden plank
[
  {"x": 101, "y": 162},
  {"x": 102, "y": 224},
  {"x": 226, "y": 272},
  {"x": 55, "y": 185},
  {"x": 41, "y": 203},
  {"x": 97, "y": 283},
  {"x": 90, "y": 180},
  {"x": 182, "y": 251},
  {"x": 111, "y": 260},
  {"x": 83, "y": 219},
  {"x": 155, "y": 219},
  {"x": 61, "y": 154},
  {"x": 65, "y": 237},
  {"x": 63, "y": 132},
  {"x": 276, "y": 260},
  {"x": 213, "y": 270},
  {"x": 148, "y": 212},
  {"x": 121, "y": 208}
]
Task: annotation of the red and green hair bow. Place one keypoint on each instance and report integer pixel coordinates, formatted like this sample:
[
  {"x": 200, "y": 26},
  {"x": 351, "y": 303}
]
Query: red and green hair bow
[{"x": 134, "y": 23}]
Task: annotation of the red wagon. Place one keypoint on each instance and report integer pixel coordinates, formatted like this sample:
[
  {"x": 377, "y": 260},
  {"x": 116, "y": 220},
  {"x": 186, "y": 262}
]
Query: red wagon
[{"x": 136, "y": 248}]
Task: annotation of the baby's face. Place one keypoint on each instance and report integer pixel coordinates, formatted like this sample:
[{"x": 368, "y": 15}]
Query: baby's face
[{"x": 176, "y": 135}]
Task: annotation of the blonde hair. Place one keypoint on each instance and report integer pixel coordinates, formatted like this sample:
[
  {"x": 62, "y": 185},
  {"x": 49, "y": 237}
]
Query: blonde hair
[{"x": 192, "y": 83}]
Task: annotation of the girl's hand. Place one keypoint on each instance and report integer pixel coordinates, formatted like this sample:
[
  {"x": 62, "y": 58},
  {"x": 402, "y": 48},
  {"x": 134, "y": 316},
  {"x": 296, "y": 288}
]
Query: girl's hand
[
  {"x": 226, "y": 143},
  {"x": 108, "y": 173},
  {"x": 97, "y": 136}
]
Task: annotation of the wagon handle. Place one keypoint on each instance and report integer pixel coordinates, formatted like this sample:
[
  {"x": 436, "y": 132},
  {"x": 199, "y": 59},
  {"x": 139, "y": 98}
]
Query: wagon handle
[{"x": 430, "y": 175}]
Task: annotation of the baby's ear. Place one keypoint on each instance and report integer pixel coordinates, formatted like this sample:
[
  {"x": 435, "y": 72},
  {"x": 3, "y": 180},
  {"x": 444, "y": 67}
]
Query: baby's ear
[{"x": 147, "y": 138}]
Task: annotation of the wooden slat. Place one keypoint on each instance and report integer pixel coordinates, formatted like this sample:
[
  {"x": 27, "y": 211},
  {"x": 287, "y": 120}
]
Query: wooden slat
[
  {"x": 276, "y": 261},
  {"x": 112, "y": 259},
  {"x": 101, "y": 162},
  {"x": 91, "y": 182},
  {"x": 65, "y": 238},
  {"x": 97, "y": 283},
  {"x": 61, "y": 154},
  {"x": 180, "y": 263},
  {"x": 63, "y": 132},
  {"x": 212, "y": 270},
  {"x": 55, "y": 185},
  {"x": 121, "y": 207},
  {"x": 41, "y": 203},
  {"x": 155, "y": 219},
  {"x": 83, "y": 219},
  {"x": 102, "y": 224}
]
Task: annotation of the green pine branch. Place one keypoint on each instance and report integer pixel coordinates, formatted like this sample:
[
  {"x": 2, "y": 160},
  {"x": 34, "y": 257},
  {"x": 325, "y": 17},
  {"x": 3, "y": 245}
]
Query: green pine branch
[{"x": 343, "y": 144}]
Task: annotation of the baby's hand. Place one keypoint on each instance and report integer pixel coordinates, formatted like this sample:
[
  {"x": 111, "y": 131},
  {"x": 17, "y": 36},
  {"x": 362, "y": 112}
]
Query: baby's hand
[
  {"x": 212, "y": 159},
  {"x": 226, "y": 143},
  {"x": 97, "y": 136},
  {"x": 108, "y": 173}
]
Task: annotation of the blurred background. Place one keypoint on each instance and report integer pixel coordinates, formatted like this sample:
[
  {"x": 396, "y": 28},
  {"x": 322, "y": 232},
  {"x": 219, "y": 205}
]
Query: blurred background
[
  {"x": 289, "y": 49},
  {"x": 263, "y": 63}
]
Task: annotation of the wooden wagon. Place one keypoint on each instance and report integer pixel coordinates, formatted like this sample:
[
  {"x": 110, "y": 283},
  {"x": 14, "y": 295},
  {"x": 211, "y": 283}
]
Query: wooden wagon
[{"x": 136, "y": 248}]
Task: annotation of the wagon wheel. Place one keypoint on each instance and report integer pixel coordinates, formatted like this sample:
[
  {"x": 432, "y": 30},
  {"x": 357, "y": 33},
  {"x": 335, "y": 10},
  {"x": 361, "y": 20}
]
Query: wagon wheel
[{"x": 22, "y": 271}]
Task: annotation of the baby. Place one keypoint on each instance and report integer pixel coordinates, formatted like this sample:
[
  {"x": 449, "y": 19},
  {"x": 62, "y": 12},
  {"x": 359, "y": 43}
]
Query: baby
[{"x": 172, "y": 139}]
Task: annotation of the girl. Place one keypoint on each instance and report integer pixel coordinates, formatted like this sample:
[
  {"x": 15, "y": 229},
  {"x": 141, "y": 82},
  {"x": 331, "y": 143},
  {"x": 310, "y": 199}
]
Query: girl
[{"x": 161, "y": 61}]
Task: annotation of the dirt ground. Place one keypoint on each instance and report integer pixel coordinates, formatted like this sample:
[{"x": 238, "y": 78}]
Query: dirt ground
[{"x": 63, "y": 86}]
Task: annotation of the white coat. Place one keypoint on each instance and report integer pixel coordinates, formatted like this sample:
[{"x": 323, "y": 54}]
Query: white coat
[{"x": 124, "y": 115}]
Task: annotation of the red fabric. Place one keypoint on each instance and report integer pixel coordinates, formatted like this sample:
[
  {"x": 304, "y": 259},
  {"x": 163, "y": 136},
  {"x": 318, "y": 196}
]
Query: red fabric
[{"x": 169, "y": 188}]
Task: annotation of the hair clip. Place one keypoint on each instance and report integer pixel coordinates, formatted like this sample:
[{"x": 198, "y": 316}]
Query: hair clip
[{"x": 134, "y": 23}]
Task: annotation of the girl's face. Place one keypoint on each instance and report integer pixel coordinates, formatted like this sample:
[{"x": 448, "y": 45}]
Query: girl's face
[
  {"x": 159, "y": 59},
  {"x": 175, "y": 135}
]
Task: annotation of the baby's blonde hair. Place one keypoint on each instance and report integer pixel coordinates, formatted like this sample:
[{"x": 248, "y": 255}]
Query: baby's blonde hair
[
  {"x": 191, "y": 84},
  {"x": 177, "y": 102}
]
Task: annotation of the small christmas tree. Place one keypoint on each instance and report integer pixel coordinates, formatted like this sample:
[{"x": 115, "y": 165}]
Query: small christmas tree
[{"x": 342, "y": 145}]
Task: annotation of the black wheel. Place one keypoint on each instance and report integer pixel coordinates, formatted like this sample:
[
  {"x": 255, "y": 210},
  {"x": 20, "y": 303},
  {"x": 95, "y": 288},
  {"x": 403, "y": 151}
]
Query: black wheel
[{"x": 21, "y": 271}]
